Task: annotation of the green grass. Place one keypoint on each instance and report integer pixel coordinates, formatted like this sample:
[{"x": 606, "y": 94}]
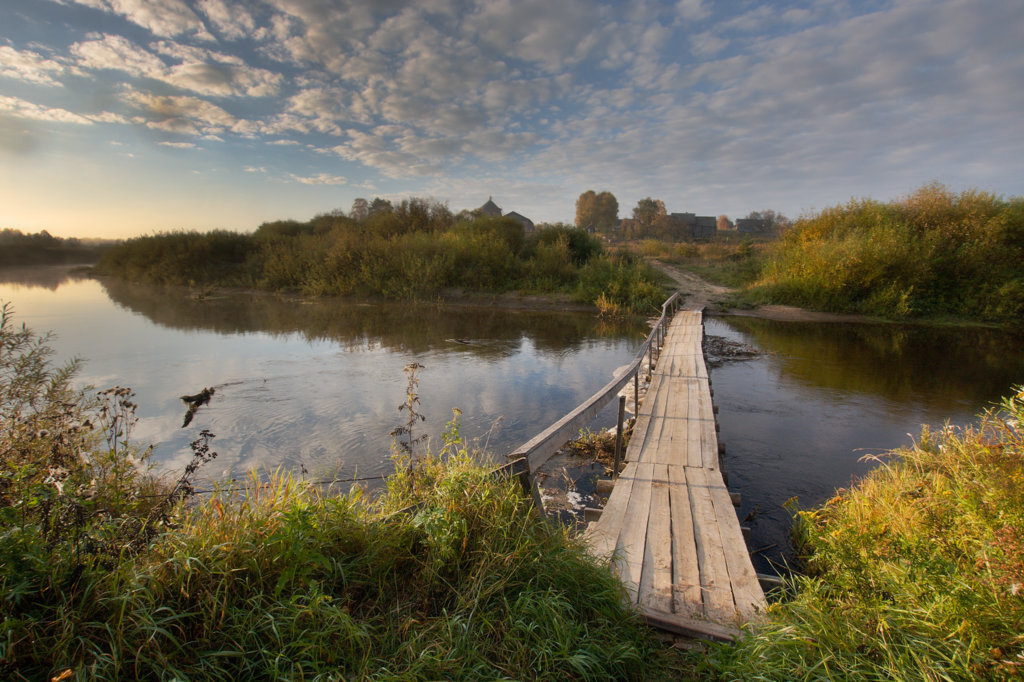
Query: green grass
[
  {"x": 917, "y": 572},
  {"x": 446, "y": 573}
]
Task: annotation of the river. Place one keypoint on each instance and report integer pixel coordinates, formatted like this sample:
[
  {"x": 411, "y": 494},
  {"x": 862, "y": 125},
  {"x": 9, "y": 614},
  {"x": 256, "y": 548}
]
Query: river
[{"x": 314, "y": 386}]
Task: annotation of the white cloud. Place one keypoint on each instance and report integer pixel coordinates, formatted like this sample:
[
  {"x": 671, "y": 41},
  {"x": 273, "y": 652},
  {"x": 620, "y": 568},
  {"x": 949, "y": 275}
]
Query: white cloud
[
  {"x": 320, "y": 179},
  {"x": 233, "y": 20},
  {"x": 692, "y": 10},
  {"x": 116, "y": 53},
  {"x": 21, "y": 108},
  {"x": 162, "y": 17},
  {"x": 178, "y": 145},
  {"x": 30, "y": 67},
  {"x": 707, "y": 44},
  {"x": 255, "y": 169},
  {"x": 200, "y": 70}
]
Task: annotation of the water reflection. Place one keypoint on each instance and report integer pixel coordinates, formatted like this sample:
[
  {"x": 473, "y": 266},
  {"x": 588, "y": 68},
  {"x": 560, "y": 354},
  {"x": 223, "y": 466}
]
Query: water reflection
[
  {"x": 798, "y": 421},
  {"x": 316, "y": 385},
  {"x": 476, "y": 330},
  {"x": 948, "y": 368},
  {"x": 43, "y": 276}
]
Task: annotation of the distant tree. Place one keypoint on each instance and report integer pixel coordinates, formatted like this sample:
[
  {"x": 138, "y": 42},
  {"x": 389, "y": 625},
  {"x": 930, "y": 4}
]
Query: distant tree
[
  {"x": 724, "y": 223},
  {"x": 647, "y": 211},
  {"x": 379, "y": 205},
  {"x": 360, "y": 209},
  {"x": 772, "y": 221},
  {"x": 598, "y": 210},
  {"x": 586, "y": 206}
]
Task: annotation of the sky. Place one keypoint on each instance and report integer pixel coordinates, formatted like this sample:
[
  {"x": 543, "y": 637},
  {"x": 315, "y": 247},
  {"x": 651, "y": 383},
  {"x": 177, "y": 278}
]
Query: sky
[{"x": 128, "y": 117}]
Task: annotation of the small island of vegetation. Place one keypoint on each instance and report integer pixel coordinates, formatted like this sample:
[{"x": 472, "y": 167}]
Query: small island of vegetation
[{"x": 412, "y": 250}]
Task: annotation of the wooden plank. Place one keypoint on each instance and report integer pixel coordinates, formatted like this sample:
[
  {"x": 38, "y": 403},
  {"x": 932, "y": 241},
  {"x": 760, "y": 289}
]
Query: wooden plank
[
  {"x": 680, "y": 425},
  {"x": 694, "y": 440},
  {"x": 633, "y": 536},
  {"x": 686, "y": 594},
  {"x": 709, "y": 437},
  {"x": 603, "y": 535},
  {"x": 659, "y": 439},
  {"x": 656, "y": 575},
  {"x": 747, "y": 592},
  {"x": 689, "y": 627},
  {"x": 714, "y": 573}
]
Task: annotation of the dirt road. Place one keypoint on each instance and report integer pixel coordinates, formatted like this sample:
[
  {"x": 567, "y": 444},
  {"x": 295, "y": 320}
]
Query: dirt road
[{"x": 703, "y": 294}]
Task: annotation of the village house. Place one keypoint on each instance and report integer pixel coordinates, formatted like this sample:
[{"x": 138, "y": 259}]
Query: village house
[{"x": 492, "y": 210}]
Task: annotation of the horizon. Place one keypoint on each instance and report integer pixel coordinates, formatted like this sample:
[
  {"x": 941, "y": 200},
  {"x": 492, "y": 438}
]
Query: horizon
[{"x": 121, "y": 118}]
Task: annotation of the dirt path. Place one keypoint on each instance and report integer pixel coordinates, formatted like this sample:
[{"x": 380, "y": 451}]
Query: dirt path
[{"x": 703, "y": 294}]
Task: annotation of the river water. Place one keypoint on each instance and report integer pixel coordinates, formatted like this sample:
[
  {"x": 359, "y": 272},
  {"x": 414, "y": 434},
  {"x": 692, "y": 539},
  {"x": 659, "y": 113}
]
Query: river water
[{"x": 315, "y": 386}]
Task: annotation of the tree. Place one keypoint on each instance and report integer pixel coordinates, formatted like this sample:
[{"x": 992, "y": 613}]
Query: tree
[
  {"x": 724, "y": 223},
  {"x": 772, "y": 221},
  {"x": 600, "y": 211},
  {"x": 360, "y": 209},
  {"x": 647, "y": 211},
  {"x": 379, "y": 205}
]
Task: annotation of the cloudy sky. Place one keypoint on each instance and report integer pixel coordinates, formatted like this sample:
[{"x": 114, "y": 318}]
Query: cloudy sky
[{"x": 123, "y": 117}]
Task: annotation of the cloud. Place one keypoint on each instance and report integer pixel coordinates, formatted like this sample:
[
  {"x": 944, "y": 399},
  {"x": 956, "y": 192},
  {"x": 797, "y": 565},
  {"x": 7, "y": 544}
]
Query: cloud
[
  {"x": 320, "y": 179},
  {"x": 255, "y": 169},
  {"x": 199, "y": 70},
  {"x": 233, "y": 20},
  {"x": 30, "y": 67},
  {"x": 185, "y": 115},
  {"x": 707, "y": 44},
  {"x": 692, "y": 10},
  {"x": 178, "y": 145},
  {"x": 550, "y": 35},
  {"x": 162, "y": 17},
  {"x": 116, "y": 53},
  {"x": 21, "y": 108}
]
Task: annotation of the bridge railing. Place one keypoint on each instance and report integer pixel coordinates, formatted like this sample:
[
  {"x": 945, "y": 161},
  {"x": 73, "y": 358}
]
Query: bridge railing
[{"x": 533, "y": 454}]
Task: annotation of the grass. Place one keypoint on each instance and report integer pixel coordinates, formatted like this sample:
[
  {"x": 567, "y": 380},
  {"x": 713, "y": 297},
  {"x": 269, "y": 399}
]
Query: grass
[
  {"x": 415, "y": 250},
  {"x": 933, "y": 253},
  {"x": 917, "y": 572},
  {"x": 447, "y": 573}
]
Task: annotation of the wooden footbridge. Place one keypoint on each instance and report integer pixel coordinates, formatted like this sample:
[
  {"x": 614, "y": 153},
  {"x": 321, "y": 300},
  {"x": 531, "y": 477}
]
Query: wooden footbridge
[{"x": 669, "y": 526}]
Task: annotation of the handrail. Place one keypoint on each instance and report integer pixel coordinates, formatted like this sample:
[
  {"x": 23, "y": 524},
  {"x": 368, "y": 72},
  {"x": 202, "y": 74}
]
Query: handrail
[{"x": 543, "y": 446}]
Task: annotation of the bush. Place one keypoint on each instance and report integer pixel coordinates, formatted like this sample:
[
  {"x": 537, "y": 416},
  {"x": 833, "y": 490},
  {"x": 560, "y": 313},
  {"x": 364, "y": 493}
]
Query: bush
[{"x": 932, "y": 253}]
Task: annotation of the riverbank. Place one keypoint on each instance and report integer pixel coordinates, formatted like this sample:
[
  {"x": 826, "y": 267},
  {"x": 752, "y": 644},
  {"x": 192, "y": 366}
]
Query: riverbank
[{"x": 916, "y": 572}]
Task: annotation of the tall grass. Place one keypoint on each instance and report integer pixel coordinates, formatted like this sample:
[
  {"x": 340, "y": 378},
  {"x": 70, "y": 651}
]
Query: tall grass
[
  {"x": 399, "y": 253},
  {"x": 448, "y": 573},
  {"x": 933, "y": 253},
  {"x": 916, "y": 572}
]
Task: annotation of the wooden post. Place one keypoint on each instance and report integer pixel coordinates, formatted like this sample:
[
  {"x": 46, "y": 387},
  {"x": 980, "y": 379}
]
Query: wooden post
[
  {"x": 636, "y": 394},
  {"x": 618, "y": 435}
]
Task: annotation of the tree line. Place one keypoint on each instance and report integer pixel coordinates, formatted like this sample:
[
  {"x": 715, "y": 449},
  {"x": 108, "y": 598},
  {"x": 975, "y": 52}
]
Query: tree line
[
  {"x": 599, "y": 212},
  {"x": 414, "y": 249},
  {"x": 42, "y": 248}
]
